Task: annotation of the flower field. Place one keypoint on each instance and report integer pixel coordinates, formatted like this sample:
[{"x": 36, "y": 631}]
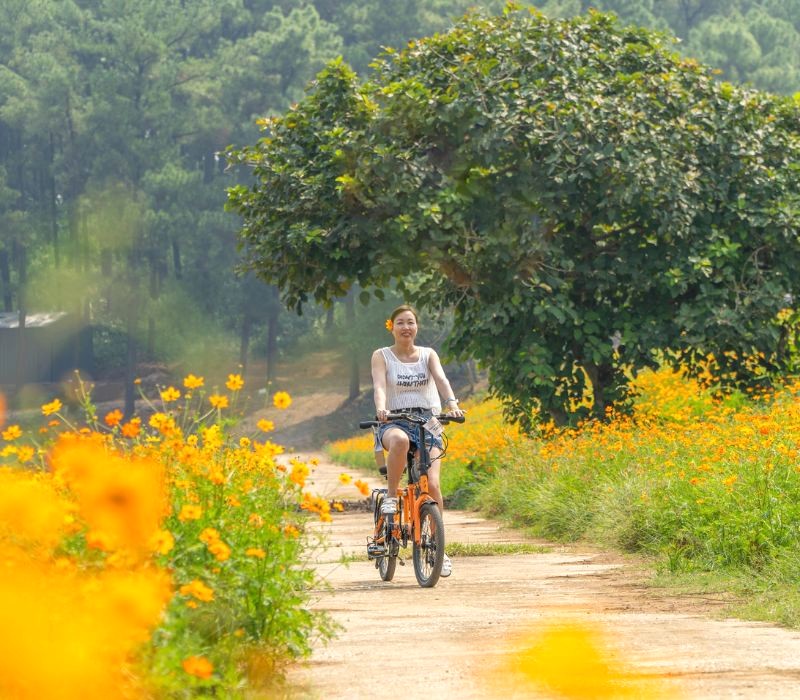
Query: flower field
[
  {"x": 153, "y": 557},
  {"x": 699, "y": 482}
]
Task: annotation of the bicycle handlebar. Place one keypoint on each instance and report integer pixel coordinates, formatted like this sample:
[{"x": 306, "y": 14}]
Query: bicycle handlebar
[{"x": 413, "y": 418}]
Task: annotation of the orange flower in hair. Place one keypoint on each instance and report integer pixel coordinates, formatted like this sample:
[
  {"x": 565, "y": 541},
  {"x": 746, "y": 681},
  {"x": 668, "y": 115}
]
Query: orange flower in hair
[{"x": 389, "y": 324}]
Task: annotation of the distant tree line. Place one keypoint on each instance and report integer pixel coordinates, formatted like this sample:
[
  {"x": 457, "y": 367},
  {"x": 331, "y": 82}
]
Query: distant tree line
[{"x": 113, "y": 114}]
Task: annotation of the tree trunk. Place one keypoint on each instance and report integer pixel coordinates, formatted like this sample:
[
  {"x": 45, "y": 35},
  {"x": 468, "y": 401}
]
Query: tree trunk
[
  {"x": 244, "y": 341},
  {"x": 273, "y": 320},
  {"x": 176, "y": 259},
  {"x": 130, "y": 355},
  {"x": 54, "y": 207},
  {"x": 22, "y": 268},
  {"x": 5, "y": 277},
  {"x": 350, "y": 315}
]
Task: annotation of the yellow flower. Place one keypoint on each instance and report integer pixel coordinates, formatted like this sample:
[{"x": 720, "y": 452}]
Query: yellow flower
[
  {"x": 192, "y": 382},
  {"x": 256, "y": 552},
  {"x": 338, "y": 506},
  {"x": 389, "y": 325},
  {"x": 190, "y": 512},
  {"x": 209, "y": 536},
  {"x": 218, "y": 401},
  {"x": 345, "y": 478},
  {"x": 113, "y": 418},
  {"x": 265, "y": 425},
  {"x": 282, "y": 400},
  {"x": 25, "y": 454},
  {"x": 12, "y": 432},
  {"x": 54, "y": 406},
  {"x": 170, "y": 394},
  {"x": 162, "y": 542},
  {"x": 198, "y": 666},
  {"x": 244, "y": 442},
  {"x": 235, "y": 382}
]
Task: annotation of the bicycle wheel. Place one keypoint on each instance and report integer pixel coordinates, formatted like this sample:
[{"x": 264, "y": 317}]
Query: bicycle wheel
[
  {"x": 386, "y": 564},
  {"x": 429, "y": 553}
]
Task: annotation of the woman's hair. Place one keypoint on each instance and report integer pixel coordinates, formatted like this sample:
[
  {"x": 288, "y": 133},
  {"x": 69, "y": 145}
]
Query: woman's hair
[{"x": 401, "y": 309}]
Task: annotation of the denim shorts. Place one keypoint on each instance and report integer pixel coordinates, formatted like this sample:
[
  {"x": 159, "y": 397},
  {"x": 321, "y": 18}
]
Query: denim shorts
[{"x": 410, "y": 429}]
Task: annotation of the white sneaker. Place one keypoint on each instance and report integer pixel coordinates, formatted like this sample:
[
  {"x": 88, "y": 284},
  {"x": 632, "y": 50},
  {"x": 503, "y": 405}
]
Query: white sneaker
[
  {"x": 447, "y": 567},
  {"x": 389, "y": 506}
]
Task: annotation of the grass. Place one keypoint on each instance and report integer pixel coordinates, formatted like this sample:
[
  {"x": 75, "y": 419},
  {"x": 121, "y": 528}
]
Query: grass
[
  {"x": 706, "y": 490},
  {"x": 474, "y": 549}
]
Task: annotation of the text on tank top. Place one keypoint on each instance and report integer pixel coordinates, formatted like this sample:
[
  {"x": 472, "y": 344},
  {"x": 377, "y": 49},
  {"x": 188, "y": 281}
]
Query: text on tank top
[{"x": 410, "y": 384}]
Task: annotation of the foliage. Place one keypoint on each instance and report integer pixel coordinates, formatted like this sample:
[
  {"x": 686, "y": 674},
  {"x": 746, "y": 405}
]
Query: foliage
[
  {"x": 579, "y": 193},
  {"x": 179, "y": 553},
  {"x": 707, "y": 489}
]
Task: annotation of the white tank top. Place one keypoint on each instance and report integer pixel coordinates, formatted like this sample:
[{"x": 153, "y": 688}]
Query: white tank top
[{"x": 410, "y": 384}]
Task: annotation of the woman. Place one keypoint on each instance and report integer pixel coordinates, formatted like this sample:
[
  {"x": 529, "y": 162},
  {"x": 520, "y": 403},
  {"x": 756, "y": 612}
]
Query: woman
[{"x": 407, "y": 377}]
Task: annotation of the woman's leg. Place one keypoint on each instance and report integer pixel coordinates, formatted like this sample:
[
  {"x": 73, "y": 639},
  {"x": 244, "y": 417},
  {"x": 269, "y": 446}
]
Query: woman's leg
[
  {"x": 434, "y": 486},
  {"x": 396, "y": 443}
]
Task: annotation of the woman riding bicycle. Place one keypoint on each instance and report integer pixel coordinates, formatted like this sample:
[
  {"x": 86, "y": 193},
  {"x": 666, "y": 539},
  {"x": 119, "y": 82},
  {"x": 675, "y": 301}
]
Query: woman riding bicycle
[{"x": 409, "y": 378}]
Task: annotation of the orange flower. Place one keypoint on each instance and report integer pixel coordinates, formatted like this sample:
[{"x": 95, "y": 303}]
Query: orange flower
[
  {"x": 265, "y": 425},
  {"x": 282, "y": 400},
  {"x": 389, "y": 325},
  {"x": 235, "y": 382},
  {"x": 198, "y": 589},
  {"x": 362, "y": 486},
  {"x": 12, "y": 432},
  {"x": 192, "y": 382},
  {"x": 113, "y": 418},
  {"x": 170, "y": 394},
  {"x": 256, "y": 552},
  {"x": 132, "y": 428},
  {"x": 54, "y": 406},
  {"x": 291, "y": 531},
  {"x": 220, "y": 550},
  {"x": 198, "y": 666},
  {"x": 218, "y": 401}
]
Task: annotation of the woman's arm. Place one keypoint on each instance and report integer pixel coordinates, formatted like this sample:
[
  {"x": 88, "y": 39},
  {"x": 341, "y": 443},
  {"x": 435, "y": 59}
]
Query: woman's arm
[
  {"x": 443, "y": 385},
  {"x": 379, "y": 384}
]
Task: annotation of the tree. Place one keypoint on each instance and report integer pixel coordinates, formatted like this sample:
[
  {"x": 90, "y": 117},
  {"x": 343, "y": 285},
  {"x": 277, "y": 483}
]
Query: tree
[{"x": 579, "y": 193}]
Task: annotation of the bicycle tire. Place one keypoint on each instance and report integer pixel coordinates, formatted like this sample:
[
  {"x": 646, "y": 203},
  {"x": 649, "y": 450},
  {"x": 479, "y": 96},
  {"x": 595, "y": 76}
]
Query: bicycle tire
[
  {"x": 428, "y": 555},
  {"x": 386, "y": 564}
]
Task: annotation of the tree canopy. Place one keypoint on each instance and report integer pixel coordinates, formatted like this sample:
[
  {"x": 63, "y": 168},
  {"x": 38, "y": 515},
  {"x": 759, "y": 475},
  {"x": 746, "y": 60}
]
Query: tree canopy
[{"x": 579, "y": 193}]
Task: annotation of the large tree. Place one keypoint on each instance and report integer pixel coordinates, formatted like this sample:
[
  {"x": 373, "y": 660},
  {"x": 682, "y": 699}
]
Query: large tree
[{"x": 579, "y": 193}]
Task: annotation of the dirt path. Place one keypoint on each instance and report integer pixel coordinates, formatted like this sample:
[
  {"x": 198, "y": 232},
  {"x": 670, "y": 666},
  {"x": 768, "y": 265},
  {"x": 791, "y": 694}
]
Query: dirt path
[{"x": 468, "y": 636}]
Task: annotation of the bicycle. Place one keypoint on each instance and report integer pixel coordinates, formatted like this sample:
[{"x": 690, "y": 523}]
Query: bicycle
[{"x": 418, "y": 519}]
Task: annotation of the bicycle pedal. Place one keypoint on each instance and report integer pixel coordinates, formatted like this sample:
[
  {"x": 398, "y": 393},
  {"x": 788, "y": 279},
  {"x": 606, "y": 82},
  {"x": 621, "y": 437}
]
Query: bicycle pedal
[{"x": 375, "y": 551}]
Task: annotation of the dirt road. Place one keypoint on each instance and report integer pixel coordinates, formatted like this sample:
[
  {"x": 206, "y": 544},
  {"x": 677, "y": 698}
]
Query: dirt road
[{"x": 565, "y": 623}]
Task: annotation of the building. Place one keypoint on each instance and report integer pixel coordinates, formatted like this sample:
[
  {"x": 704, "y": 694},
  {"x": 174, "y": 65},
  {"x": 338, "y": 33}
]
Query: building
[{"x": 52, "y": 346}]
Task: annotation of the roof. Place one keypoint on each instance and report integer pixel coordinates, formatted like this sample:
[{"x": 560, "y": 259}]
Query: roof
[{"x": 11, "y": 319}]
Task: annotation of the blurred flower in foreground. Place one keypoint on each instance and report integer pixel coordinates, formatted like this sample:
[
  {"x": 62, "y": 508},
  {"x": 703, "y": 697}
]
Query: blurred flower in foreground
[
  {"x": 198, "y": 666},
  {"x": 573, "y": 661},
  {"x": 282, "y": 400}
]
